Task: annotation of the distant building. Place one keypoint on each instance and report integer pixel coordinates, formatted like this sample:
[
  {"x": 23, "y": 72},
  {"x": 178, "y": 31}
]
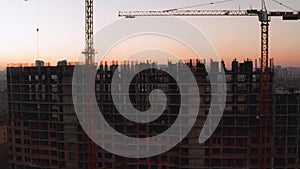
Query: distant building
[
  {"x": 287, "y": 77},
  {"x": 3, "y": 95}
]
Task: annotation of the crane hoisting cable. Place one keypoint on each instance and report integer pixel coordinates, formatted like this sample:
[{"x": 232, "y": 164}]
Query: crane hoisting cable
[
  {"x": 285, "y": 5},
  {"x": 193, "y": 6},
  {"x": 37, "y": 30}
]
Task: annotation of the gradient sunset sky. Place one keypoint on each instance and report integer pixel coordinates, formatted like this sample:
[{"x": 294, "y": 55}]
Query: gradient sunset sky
[{"x": 61, "y": 24}]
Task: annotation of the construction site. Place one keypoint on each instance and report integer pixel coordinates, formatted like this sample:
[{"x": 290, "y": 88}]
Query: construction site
[
  {"x": 259, "y": 128},
  {"x": 44, "y": 131}
]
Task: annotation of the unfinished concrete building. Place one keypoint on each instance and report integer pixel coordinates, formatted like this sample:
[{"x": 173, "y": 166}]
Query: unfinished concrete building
[
  {"x": 44, "y": 131},
  {"x": 286, "y": 125},
  {"x": 42, "y": 123}
]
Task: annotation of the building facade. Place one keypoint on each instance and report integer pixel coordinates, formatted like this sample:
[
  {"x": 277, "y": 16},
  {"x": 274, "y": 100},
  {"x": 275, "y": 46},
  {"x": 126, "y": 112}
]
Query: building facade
[
  {"x": 286, "y": 136},
  {"x": 3, "y": 142},
  {"x": 44, "y": 131}
]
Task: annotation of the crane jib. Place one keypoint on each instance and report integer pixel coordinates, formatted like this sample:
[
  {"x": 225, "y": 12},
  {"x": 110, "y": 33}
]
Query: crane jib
[{"x": 263, "y": 15}]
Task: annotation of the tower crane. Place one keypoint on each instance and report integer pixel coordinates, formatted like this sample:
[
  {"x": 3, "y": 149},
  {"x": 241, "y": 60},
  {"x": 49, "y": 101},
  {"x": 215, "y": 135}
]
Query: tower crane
[
  {"x": 89, "y": 51},
  {"x": 89, "y": 54},
  {"x": 264, "y": 18}
]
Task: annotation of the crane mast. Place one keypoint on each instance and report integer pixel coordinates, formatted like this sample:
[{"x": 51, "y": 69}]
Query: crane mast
[
  {"x": 265, "y": 117},
  {"x": 89, "y": 62},
  {"x": 89, "y": 51}
]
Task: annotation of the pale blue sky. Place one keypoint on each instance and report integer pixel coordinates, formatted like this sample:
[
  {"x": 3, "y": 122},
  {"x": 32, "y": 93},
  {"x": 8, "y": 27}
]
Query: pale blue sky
[{"x": 61, "y": 24}]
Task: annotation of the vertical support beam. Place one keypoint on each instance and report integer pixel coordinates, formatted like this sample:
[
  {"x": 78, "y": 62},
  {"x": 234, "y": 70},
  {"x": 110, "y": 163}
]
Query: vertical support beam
[
  {"x": 264, "y": 116},
  {"x": 37, "y": 44}
]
